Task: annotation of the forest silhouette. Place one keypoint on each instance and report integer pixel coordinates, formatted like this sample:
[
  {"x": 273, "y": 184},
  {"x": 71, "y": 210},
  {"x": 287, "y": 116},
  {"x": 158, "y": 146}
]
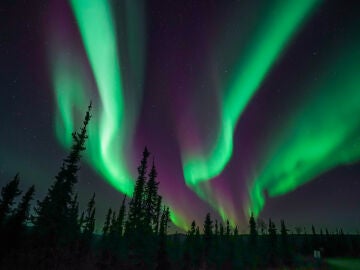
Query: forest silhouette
[{"x": 54, "y": 234}]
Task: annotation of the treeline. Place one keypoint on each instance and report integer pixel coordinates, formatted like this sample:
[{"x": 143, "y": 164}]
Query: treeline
[
  {"x": 57, "y": 235},
  {"x": 214, "y": 245}
]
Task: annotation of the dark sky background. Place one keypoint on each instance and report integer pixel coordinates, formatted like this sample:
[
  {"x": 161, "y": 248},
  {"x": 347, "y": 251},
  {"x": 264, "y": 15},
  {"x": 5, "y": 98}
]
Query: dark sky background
[{"x": 185, "y": 44}]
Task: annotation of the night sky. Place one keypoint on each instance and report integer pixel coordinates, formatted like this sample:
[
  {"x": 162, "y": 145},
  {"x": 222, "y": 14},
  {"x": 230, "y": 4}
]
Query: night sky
[{"x": 246, "y": 106}]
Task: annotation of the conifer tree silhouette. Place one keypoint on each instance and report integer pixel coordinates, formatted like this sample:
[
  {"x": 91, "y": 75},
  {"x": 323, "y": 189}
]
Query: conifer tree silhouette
[
  {"x": 113, "y": 228},
  {"x": 162, "y": 256},
  {"x": 228, "y": 229},
  {"x": 136, "y": 211},
  {"x": 198, "y": 247},
  {"x": 253, "y": 231},
  {"x": 55, "y": 214},
  {"x": 89, "y": 221},
  {"x": 221, "y": 231},
  {"x": 121, "y": 218},
  {"x": 157, "y": 213},
  {"x": 236, "y": 231},
  {"x": 137, "y": 238},
  {"x": 216, "y": 228},
  {"x": 262, "y": 226},
  {"x": 21, "y": 213},
  {"x": 151, "y": 200},
  {"x": 15, "y": 225},
  {"x": 107, "y": 223},
  {"x": 283, "y": 232},
  {"x": 8, "y": 194},
  {"x": 272, "y": 245},
  {"x": 189, "y": 246},
  {"x": 73, "y": 228},
  {"x": 285, "y": 252},
  {"x": 208, "y": 227},
  {"x": 192, "y": 230},
  {"x": 272, "y": 231},
  {"x": 208, "y": 236}
]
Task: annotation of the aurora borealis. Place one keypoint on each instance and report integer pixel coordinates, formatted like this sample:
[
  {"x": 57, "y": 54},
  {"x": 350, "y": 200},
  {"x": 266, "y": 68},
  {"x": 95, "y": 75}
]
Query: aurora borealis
[
  {"x": 111, "y": 130},
  {"x": 275, "y": 30},
  {"x": 318, "y": 139},
  {"x": 242, "y": 103}
]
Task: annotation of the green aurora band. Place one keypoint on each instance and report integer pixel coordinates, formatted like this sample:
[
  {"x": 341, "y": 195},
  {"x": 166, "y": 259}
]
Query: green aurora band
[
  {"x": 271, "y": 37},
  {"x": 107, "y": 132},
  {"x": 99, "y": 39},
  {"x": 321, "y": 134}
]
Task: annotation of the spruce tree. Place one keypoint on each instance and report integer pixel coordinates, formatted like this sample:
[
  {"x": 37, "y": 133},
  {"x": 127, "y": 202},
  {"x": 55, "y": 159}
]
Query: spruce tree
[
  {"x": 228, "y": 229},
  {"x": 151, "y": 200},
  {"x": 221, "y": 231},
  {"x": 262, "y": 226},
  {"x": 285, "y": 252},
  {"x": 55, "y": 214},
  {"x": 107, "y": 223},
  {"x": 121, "y": 218},
  {"x": 272, "y": 232},
  {"x": 197, "y": 232},
  {"x": 157, "y": 213},
  {"x": 164, "y": 223},
  {"x": 252, "y": 242},
  {"x": 190, "y": 236},
  {"x": 21, "y": 213},
  {"x": 73, "y": 226},
  {"x": 113, "y": 227},
  {"x": 8, "y": 194},
  {"x": 135, "y": 227},
  {"x": 283, "y": 231},
  {"x": 189, "y": 246},
  {"x": 197, "y": 247},
  {"x": 89, "y": 220},
  {"x": 253, "y": 231},
  {"x": 236, "y": 231},
  {"x": 18, "y": 219},
  {"x": 216, "y": 228},
  {"x": 208, "y": 235},
  {"x": 208, "y": 227},
  {"x": 272, "y": 228},
  {"x": 14, "y": 228},
  {"x": 192, "y": 230},
  {"x": 162, "y": 256},
  {"x": 136, "y": 210},
  {"x": 272, "y": 244}
]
